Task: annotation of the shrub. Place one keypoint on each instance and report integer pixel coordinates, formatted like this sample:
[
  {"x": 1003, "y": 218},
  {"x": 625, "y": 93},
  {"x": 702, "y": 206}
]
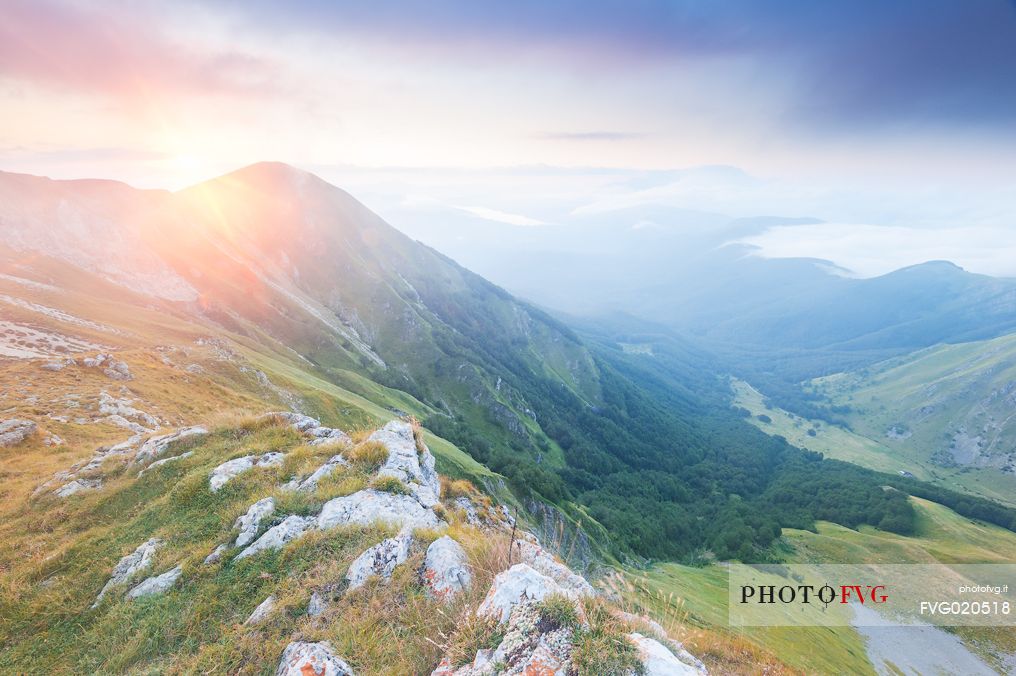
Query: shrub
[
  {"x": 369, "y": 455},
  {"x": 389, "y": 484}
]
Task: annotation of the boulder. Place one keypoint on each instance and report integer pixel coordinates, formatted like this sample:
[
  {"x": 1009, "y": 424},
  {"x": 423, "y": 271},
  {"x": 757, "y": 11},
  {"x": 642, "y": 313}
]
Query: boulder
[
  {"x": 16, "y": 430},
  {"x": 311, "y": 482},
  {"x": 302, "y": 658},
  {"x": 277, "y": 536},
  {"x": 467, "y": 506},
  {"x": 160, "y": 584},
  {"x": 230, "y": 469},
  {"x": 367, "y": 507},
  {"x": 262, "y": 612},
  {"x": 136, "y": 561},
  {"x": 446, "y": 569},
  {"x": 411, "y": 466},
  {"x": 659, "y": 661},
  {"x": 381, "y": 560},
  {"x": 328, "y": 435},
  {"x": 156, "y": 446},
  {"x": 518, "y": 584},
  {"x": 249, "y": 523}
]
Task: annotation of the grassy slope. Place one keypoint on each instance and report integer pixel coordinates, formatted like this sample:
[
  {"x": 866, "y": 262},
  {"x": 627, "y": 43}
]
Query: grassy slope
[
  {"x": 695, "y": 599},
  {"x": 934, "y": 393},
  {"x": 862, "y": 445}
]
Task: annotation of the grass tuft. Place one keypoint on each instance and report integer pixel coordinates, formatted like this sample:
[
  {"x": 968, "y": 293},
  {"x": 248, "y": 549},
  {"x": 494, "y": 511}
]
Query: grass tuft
[
  {"x": 603, "y": 648},
  {"x": 389, "y": 484},
  {"x": 556, "y": 611},
  {"x": 369, "y": 455}
]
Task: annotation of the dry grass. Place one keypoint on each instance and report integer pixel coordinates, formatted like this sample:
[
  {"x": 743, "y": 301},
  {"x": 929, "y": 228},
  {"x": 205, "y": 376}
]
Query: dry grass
[
  {"x": 603, "y": 648},
  {"x": 456, "y": 488},
  {"x": 389, "y": 484},
  {"x": 369, "y": 455}
]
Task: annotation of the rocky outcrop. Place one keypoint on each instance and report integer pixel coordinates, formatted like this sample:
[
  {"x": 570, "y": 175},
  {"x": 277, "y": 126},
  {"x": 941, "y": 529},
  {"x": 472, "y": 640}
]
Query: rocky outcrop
[
  {"x": 276, "y": 537},
  {"x": 249, "y": 523},
  {"x": 160, "y": 584},
  {"x": 138, "y": 560},
  {"x": 411, "y": 465},
  {"x": 658, "y": 660},
  {"x": 166, "y": 461},
  {"x": 216, "y": 555},
  {"x": 230, "y": 469},
  {"x": 16, "y": 430},
  {"x": 446, "y": 569},
  {"x": 155, "y": 446},
  {"x": 380, "y": 560},
  {"x": 518, "y": 584},
  {"x": 369, "y": 506},
  {"x": 543, "y": 562},
  {"x": 312, "y": 659},
  {"x": 262, "y": 612},
  {"x": 117, "y": 370},
  {"x": 312, "y": 427},
  {"x": 76, "y": 486},
  {"x": 310, "y": 483}
]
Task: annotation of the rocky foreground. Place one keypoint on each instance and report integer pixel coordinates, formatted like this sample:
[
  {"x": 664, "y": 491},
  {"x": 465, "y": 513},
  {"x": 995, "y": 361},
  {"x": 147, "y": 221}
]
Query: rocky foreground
[{"x": 538, "y": 617}]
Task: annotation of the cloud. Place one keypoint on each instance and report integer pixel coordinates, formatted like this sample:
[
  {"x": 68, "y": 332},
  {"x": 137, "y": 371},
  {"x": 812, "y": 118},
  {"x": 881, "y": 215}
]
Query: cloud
[
  {"x": 871, "y": 250},
  {"x": 500, "y": 216},
  {"x": 590, "y": 136},
  {"x": 119, "y": 50}
]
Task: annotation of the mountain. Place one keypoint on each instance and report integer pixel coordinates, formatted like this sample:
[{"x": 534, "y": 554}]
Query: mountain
[{"x": 211, "y": 397}]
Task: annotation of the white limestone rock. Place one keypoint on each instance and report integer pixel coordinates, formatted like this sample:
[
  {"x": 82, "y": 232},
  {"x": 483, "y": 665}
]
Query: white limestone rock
[
  {"x": 216, "y": 555},
  {"x": 544, "y": 562},
  {"x": 659, "y": 661},
  {"x": 249, "y": 523},
  {"x": 156, "y": 446},
  {"x": 367, "y": 507},
  {"x": 518, "y": 584},
  {"x": 138, "y": 560},
  {"x": 160, "y": 584},
  {"x": 164, "y": 461},
  {"x": 230, "y": 469},
  {"x": 446, "y": 570},
  {"x": 381, "y": 560},
  {"x": 76, "y": 486},
  {"x": 407, "y": 464},
  {"x": 311, "y": 482},
  {"x": 16, "y": 430},
  {"x": 277, "y": 536},
  {"x": 262, "y": 612},
  {"x": 302, "y": 658}
]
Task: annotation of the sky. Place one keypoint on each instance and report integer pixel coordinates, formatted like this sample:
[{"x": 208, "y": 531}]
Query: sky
[{"x": 892, "y": 122}]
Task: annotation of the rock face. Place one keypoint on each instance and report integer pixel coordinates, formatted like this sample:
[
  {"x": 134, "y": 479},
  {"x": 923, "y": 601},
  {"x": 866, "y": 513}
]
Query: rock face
[
  {"x": 659, "y": 661},
  {"x": 156, "y": 446},
  {"x": 16, "y": 430},
  {"x": 277, "y": 536},
  {"x": 262, "y": 612},
  {"x": 230, "y": 469},
  {"x": 518, "y": 584},
  {"x": 446, "y": 569},
  {"x": 311, "y": 482},
  {"x": 369, "y": 506},
  {"x": 136, "y": 561},
  {"x": 381, "y": 560},
  {"x": 543, "y": 562},
  {"x": 249, "y": 523},
  {"x": 160, "y": 584},
  {"x": 411, "y": 466},
  {"x": 312, "y": 659}
]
